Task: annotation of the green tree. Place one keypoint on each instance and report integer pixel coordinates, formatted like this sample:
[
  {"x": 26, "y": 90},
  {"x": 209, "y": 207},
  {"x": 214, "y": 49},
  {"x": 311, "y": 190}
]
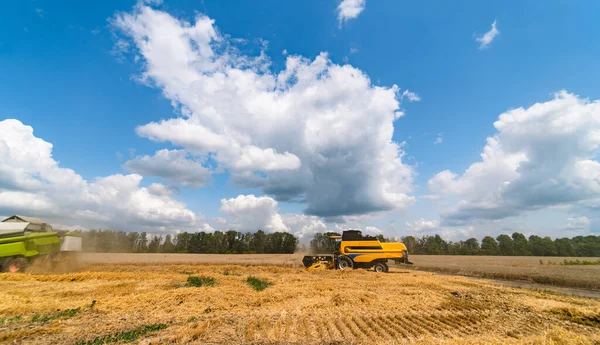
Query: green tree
[
  {"x": 167, "y": 246},
  {"x": 208, "y": 244},
  {"x": 454, "y": 248},
  {"x": 520, "y": 244},
  {"x": 470, "y": 247},
  {"x": 586, "y": 246},
  {"x": 142, "y": 246},
  {"x": 258, "y": 242},
  {"x": 154, "y": 244},
  {"x": 323, "y": 244},
  {"x": 564, "y": 247},
  {"x": 235, "y": 242},
  {"x": 132, "y": 241},
  {"x": 434, "y": 245},
  {"x": 489, "y": 246},
  {"x": 239, "y": 244},
  {"x": 411, "y": 244},
  {"x": 541, "y": 246},
  {"x": 182, "y": 241},
  {"x": 549, "y": 247},
  {"x": 195, "y": 243},
  {"x": 218, "y": 242},
  {"x": 274, "y": 243},
  {"x": 382, "y": 238},
  {"x": 247, "y": 239},
  {"x": 505, "y": 244},
  {"x": 289, "y": 243}
]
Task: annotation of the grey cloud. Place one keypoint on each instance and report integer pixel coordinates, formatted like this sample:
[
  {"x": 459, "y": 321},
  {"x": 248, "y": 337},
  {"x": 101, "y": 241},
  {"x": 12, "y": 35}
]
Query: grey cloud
[{"x": 171, "y": 165}]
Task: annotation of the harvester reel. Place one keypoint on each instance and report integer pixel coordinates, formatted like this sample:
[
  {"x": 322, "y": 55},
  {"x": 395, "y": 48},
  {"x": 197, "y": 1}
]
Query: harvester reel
[
  {"x": 345, "y": 263},
  {"x": 309, "y": 260}
]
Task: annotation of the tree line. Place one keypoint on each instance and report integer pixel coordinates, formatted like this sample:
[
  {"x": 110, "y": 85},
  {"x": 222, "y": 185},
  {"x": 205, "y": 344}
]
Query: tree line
[
  {"x": 514, "y": 245},
  {"x": 234, "y": 242},
  {"x": 508, "y": 245},
  {"x": 218, "y": 242}
]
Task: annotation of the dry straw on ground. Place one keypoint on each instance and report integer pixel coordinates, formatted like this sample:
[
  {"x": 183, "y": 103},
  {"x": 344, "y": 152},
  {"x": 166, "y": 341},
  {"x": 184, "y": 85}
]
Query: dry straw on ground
[
  {"x": 361, "y": 307},
  {"x": 524, "y": 268}
]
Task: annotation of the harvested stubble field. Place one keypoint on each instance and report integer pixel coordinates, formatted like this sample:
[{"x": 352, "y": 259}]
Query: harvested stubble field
[
  {"x": 516, "y": 268},
  {"x": 287, "y": 260},
  {"x": 156, "y": 304}
]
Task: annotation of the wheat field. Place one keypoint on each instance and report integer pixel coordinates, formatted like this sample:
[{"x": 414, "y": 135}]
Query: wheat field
[
  {"x": 542, "y": 270},
  {"x": 152, "y": 304}
]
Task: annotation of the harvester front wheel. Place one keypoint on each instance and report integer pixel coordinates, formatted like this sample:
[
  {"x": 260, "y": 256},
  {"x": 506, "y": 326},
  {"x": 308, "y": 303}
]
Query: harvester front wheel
[
  {"x": 345, "y": 263},
  {"x": 15, "y": 265},
  {"x": 380, "y": 267}
]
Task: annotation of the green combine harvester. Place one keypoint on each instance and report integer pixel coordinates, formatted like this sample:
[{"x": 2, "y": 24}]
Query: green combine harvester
[{"x": 24, "y": 240}]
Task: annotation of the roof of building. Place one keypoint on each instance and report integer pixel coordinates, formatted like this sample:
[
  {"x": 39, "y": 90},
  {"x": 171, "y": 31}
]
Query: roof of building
[
  {"x": 12, "y": 228},
  {"x": 25, "y": 219}
]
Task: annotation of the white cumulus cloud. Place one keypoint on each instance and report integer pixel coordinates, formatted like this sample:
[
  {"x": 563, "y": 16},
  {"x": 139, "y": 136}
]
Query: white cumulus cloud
[
  {"x": 487, "y": 38},
  {"x": 423, "y": 227},
  {"x": 304, "y": 226},
  {"x": 304, "y": 129},
  {"x": 350, "y": 9},
  {"x": 542, "y": 156},
  {"x": 251, "y": 213},
  {"x": 32, "y": 182},
  {"x": 411, "y": 96},
  {"x": 578, "y": 223},
  {"x": 372, "y": 230}
]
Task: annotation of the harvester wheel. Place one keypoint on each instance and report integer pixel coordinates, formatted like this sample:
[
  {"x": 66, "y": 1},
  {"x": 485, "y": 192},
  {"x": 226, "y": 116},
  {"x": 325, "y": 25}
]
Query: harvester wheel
[
  {"x": 345, "y": 263},
  {"x": 380, "y": 267},
  {"x": 15, "y": 265}
]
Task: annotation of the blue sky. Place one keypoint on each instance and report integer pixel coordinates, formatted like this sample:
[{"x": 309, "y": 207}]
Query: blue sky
[{"x": 62, "y": 75}]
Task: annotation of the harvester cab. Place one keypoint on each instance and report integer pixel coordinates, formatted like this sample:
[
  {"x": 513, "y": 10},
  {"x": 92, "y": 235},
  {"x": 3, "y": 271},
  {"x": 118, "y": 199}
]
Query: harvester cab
[{"x": 353, "y": 250}]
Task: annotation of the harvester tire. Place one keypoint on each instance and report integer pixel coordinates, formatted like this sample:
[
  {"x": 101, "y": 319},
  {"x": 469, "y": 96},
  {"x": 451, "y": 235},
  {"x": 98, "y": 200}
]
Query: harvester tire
[
  {"x": 380, "y": 267},
  {"x": 345, "y": 263},
  {"x": 15, "y": 265}
]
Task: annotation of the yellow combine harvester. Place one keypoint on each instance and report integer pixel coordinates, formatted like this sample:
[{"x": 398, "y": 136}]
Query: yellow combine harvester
[{"x": 357, "y": 251}]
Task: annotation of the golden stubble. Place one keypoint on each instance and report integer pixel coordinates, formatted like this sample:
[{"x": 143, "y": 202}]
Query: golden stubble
[{"x": 360, "y": 306}]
